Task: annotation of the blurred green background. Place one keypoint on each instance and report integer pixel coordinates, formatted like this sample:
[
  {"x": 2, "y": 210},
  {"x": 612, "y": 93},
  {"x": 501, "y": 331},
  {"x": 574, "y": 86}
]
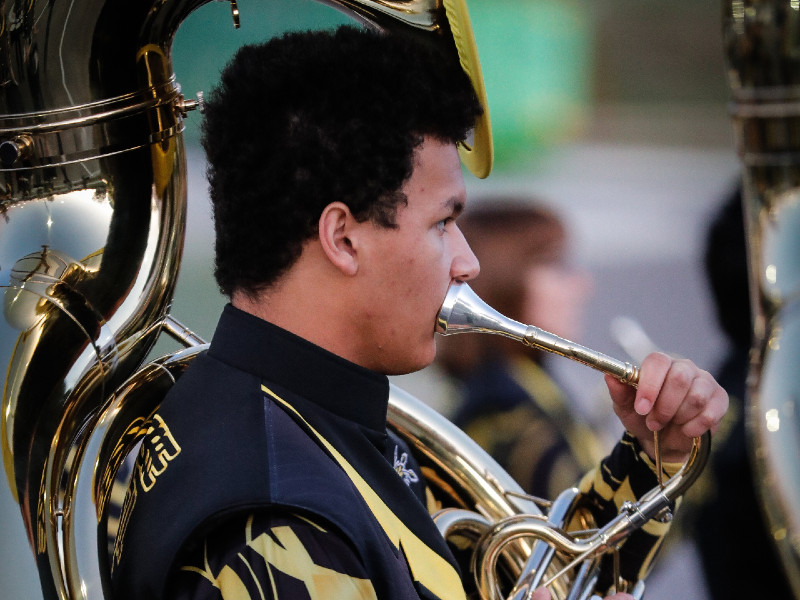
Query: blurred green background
[{"x": 555, "y": 70}]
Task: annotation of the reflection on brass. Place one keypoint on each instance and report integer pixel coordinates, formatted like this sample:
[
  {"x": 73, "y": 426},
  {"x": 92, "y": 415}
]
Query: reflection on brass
[
  {"x": 235, "y": 13},
  {"x": 763, "y": 65},
  {"x": 463, "y": 311},
  {"x": 91, "y": 228},
  {"x": 11, "y": 151}
]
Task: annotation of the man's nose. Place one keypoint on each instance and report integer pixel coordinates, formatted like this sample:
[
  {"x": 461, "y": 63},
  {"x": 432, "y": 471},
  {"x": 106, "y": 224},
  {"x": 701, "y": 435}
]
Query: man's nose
[{"x": 465, "y": 264}]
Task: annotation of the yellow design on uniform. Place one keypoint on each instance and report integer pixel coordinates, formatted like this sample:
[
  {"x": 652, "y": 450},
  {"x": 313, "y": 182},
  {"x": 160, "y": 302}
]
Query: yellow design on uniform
[
  {"x": 289, "y": 556},
  {"x": 158, "y": 449},
  {"x": 427, "y": 567}
]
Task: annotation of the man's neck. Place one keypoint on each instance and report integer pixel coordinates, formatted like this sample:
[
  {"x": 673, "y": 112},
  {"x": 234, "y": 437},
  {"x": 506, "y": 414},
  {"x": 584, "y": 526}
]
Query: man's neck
[{"x": 307, "y": 301}]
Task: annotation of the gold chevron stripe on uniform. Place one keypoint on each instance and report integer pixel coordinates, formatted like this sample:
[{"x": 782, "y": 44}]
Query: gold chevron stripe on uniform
[
  {"x": 289, "y": 556},
  {"x": 427, "y": 567}
]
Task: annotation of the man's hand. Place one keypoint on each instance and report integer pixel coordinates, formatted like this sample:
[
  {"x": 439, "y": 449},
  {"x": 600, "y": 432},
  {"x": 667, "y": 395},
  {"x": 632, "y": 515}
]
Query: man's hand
[{"x": 674, "y": 397}]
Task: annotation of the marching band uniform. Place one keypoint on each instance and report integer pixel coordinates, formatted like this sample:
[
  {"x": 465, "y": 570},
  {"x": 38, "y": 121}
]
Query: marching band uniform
[
  {"x": 268, "y": 471},
  {"x": 266, "y": 423}
]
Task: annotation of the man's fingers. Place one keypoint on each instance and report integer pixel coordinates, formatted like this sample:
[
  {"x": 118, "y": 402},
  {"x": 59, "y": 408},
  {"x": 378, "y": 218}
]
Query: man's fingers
[
  {"x": 696, "y": 399},
  {"x": 711, "y": 415},
  {"x": 653, "y": 372},
  {"x": 677, "y": 383}
]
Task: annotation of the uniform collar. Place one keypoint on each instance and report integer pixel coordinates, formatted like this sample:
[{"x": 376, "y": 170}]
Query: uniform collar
[{"x": 337, "y": 385}]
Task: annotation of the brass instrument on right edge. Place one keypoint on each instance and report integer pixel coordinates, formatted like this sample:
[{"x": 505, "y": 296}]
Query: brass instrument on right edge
[{"x": 762, "y": 48}]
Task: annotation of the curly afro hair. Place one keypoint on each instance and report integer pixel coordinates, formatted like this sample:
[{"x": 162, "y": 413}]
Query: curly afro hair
[{"x": 313, "y": 117}]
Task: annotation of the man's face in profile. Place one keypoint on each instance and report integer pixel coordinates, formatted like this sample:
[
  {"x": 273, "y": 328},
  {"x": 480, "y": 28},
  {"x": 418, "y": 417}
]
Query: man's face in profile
[{"x": 410, "y": 267}]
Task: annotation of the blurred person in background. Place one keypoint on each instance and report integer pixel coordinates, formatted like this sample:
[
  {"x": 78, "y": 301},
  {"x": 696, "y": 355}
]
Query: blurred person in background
[
  {"x": 507, "y": 401},
  {"x": 739, "y": 559}
]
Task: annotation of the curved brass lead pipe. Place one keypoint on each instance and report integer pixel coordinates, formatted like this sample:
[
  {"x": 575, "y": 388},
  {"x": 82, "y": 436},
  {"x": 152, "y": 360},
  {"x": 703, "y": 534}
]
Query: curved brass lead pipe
[{"x": 463, "y": 311}]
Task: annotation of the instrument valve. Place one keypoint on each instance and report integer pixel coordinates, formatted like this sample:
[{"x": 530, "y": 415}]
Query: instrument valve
[
  {"x": 11, "y": 151},
  {"x": 184, "y": 106},
  {"x": 633, "y": 512},
  {"x": 665, "y": 515}
]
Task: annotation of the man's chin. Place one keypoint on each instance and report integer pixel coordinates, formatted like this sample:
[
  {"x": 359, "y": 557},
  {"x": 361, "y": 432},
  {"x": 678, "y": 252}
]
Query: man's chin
[{"x": 415, "y": 363}]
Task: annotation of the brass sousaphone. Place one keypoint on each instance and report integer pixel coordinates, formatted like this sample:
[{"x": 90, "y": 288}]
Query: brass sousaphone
[
  {"x": 762, "y": 52},
  {"x": 92, "y": 217}
]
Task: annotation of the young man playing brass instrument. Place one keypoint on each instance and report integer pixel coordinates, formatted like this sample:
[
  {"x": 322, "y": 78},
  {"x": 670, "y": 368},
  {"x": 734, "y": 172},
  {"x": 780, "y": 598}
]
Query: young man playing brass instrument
[{"x": 336, "y": 184}]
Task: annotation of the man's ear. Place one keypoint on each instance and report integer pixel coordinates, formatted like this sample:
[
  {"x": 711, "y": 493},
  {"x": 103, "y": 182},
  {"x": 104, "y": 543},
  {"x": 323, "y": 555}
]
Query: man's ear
[{"x": 336, "y": 228}]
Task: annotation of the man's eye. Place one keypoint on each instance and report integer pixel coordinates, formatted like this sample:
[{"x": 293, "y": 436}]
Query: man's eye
[{"x": 441, "y": 225}]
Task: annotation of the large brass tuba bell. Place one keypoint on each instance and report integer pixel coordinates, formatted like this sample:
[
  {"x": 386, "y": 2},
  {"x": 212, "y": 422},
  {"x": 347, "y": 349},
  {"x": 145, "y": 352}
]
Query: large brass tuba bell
[
  {"x": 763, "y": 60},
  {"x": 92, "y": 201}
]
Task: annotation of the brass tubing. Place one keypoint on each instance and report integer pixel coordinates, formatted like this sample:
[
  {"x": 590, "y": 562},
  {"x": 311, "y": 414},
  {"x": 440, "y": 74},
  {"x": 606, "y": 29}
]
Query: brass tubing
[{"x": 463, "y": 311}]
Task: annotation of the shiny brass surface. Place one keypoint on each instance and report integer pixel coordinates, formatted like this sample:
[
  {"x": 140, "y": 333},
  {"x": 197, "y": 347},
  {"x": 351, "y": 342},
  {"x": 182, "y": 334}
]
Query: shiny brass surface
[
  {"x": 119, "y": 427},
  {"x": 92, "y": 210},
  {"x": 763, "y": 64},
  {"x": 464, "y": 312}
]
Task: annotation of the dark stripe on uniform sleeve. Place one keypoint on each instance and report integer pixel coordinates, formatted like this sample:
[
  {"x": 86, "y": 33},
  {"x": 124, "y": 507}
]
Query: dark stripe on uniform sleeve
[{"x": 625, "y": 475}]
